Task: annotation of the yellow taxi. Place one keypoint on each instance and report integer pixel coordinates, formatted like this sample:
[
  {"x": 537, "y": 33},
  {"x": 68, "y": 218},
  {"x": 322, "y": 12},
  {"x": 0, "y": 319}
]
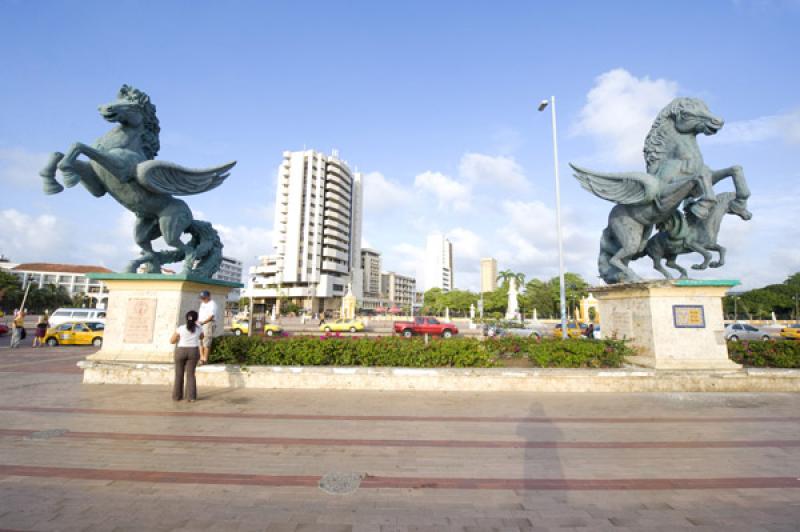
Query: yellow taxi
[
  {"x": 574, "y": 330},
  {"x": 342, "y": 325},
  {"x": 240, "y": 327},
  {"x": 791, "y": 331},
  {"x": 76, "y": 333}
]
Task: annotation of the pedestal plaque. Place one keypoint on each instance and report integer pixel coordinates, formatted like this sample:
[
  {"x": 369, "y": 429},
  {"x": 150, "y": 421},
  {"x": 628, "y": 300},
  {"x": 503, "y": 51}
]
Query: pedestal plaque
[
  {"x": 140, "y": 317},
  {"x": 673, "y": 324}
]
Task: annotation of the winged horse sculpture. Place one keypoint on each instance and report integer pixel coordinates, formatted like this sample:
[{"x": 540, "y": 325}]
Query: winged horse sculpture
[
  {"x": 121, "y": 163},
  {"x": 676, "y": 173}
]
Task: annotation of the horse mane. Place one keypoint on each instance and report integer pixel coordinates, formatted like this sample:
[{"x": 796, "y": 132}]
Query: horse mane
[
  {"x": 150, "y": 142},
  {"x": 655, "y": 144}
]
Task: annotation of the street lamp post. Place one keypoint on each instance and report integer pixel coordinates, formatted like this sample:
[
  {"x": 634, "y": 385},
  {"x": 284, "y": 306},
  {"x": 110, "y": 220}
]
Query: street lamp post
[{"x": 562, "y": 294}]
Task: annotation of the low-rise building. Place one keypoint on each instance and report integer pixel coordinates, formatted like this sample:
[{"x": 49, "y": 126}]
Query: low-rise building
[
  {"x": 398, "y": 290},
  {"x": 71, "y": 277}
]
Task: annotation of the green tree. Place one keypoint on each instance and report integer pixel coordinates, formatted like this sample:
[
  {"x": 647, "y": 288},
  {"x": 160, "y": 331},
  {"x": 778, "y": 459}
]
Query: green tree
[{"x": 10, "y": 291}]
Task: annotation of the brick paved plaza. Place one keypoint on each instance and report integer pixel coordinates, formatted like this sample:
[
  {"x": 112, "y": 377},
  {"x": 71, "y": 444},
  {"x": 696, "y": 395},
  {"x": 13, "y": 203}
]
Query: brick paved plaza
[{"x": 100, "y": 457}]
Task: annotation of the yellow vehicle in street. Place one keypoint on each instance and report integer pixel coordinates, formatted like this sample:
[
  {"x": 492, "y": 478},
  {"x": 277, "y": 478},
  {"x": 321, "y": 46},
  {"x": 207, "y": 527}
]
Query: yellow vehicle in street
[
  {"x": 76, "y": 333},
  {"x": 342, "y": 325},
  {"x": 240, "y": 327},
  {"x": 574, "y": 330},
  {"x": 791, "y": 331}
]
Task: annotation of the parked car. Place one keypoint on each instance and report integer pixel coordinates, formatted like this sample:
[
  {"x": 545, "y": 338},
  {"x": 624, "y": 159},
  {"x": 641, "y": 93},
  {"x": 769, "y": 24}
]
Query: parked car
[
  {"x": 3, "y": 329},
  {"x": 64, "y": 315},
  {"x": 520, "y": 331},
  {"x": 240, "y": 327},
  {"x": 425, "y": 325},
  {"x": 342, "y": 325},
  {"x": 78, "y": 333},
  {"x": 791, "y": 331},
  {"x": 574, "y": 330},
  {"x": 743, "y": 331}
]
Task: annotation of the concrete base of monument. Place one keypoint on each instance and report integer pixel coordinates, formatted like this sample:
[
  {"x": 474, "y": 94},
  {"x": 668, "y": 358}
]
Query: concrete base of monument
[
  {"x": 631, "y": 380},
  {"x": 672, "y": 324},
  {"x": 145, "y": 309}
]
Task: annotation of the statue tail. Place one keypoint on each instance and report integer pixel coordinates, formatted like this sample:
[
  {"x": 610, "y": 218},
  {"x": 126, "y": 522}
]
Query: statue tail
[
  {"x": 608, "y": 247},
  {"x": 206, "y": 247}
]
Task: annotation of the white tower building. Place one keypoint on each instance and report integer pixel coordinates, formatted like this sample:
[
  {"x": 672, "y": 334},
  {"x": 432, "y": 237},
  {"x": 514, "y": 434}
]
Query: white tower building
[
  {"x": 439, "y": 263},
  {"x": 318, "y": 213}
]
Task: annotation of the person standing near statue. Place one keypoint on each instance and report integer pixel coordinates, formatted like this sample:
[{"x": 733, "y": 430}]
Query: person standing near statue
[
  {"x": 17, "y": 328},
  {"x": 207, "y": 319},
  {"x": 189, "y": 338}
]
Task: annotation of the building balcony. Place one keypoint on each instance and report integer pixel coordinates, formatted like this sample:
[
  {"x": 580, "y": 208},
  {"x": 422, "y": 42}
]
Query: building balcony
[
  {"x": 336, "y": 215},
  {"x": 338, "y": 185},
  {"x": 334, "y": 224},
  {"x": 334, "y": 266},
  {"x": 332, "y": 253}
]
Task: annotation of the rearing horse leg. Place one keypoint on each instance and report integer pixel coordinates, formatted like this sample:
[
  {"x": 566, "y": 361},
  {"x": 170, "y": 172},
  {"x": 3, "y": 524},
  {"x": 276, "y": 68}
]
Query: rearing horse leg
[
  {"x": 721, "y": 250},
  {"x": 630, "y": 245},
  {"x": 121, "y": 167},
  {"x": 701, "y": 250},
  {"x": 675, "y": 266},
  {"x": 739, "y": 182}
]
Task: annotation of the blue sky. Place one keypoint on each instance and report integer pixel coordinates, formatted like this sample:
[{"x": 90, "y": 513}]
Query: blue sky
[{"x": 434, "y": 101}]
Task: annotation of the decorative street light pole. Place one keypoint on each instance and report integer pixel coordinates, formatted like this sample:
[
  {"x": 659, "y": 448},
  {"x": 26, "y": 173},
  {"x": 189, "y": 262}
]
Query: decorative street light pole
[{"x": 562, "y": 294}]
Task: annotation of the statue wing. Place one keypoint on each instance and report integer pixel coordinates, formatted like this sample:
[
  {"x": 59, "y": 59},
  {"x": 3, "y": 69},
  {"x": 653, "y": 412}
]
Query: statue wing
[
  {"x": 625, "y": 188},
  {"x": 171, "y": 178}
]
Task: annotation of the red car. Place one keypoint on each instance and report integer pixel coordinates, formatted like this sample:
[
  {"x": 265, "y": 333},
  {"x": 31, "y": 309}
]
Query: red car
[
  {"x": 423, "y": 325},
  {"x": 3, "y": 329}
]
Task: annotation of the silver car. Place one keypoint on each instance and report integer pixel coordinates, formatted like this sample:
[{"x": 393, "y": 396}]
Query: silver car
[{"x": 742, "y": 331}]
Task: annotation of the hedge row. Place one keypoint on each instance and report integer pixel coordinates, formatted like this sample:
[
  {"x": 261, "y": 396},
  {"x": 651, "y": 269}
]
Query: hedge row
[
  {"x": 414, "y": 352},
  {"x": 771, "y": 354},
  {"x": 557, "y": 353}
]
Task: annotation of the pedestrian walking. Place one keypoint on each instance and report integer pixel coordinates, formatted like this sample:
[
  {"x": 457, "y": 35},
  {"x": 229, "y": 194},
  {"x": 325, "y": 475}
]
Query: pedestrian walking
[
  {"x": 207, "y": 318},
  {"x": 41, "y": 330},
  {"x": 17, "y": 328},
  {"x": 589, "y": 332},
  {"x": 188, "y": 338}
]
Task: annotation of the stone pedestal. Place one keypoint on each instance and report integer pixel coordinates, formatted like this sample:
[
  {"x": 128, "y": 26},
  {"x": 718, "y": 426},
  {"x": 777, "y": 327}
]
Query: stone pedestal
[
  {"x": 145, "y": 309},
  {"x": 673, "y": 324}
]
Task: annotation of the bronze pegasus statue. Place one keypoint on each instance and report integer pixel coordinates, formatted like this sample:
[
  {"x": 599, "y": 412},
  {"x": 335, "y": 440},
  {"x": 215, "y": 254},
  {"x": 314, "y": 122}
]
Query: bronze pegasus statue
[
  {"x": 122, "y": 164},
  {"x": 676, "y": 174}
]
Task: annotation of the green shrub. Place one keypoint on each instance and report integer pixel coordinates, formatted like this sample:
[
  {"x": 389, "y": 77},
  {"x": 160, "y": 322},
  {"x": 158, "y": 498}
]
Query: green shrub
[
  {"x": 770, "y": 354},
  {"x": 351, "y": 351},
  {"x": 415, "y": 353},
  {"x": 557, "y": 353}
]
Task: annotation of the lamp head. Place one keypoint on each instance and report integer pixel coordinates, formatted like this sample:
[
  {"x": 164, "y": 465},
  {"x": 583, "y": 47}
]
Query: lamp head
[{"x": 543, "y": 105}]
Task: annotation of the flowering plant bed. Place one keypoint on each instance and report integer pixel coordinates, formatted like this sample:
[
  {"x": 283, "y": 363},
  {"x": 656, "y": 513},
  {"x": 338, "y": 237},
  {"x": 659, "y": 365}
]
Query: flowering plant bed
[
  {"x": 416, "y": 353},
  {"x": 769, "y": 354}
]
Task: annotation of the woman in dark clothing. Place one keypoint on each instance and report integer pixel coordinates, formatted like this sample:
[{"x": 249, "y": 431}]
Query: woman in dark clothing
[{"x": 187, "y": 337}]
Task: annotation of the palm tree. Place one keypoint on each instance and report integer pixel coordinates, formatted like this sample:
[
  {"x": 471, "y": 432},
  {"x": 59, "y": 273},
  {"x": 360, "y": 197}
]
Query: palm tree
[{"x": 505, "y": 277}]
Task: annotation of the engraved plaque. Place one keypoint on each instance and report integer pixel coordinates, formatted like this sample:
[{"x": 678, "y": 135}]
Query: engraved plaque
[
  {"x": 140, "y": 320},
  {"x": 689, "y": 316}
]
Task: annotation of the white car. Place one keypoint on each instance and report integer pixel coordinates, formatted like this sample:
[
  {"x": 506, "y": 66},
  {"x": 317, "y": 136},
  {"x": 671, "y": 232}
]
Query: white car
[
  {"x": 65, "y": 315},
  {"x": 742, "y": 331}
]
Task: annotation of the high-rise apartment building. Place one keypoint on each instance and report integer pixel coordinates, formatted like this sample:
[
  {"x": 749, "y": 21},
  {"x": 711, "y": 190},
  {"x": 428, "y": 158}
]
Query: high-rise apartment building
[
  {"x": 488, "y": 275},
  {"x": 398, "y": 290},
  {"x": 318, "y": 212},
  {"x": 439, "y": 263},
  {"x": 371, "y": 266}
]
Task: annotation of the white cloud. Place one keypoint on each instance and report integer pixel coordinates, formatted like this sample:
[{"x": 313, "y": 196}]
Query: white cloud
[
  {"x": 245, "y": 243},
  {"x": 486, "y": 169},
  {"x": 20, "y": 167},
  {"x": 619, "y": 111},
  {"x": 467, "y": 247},
  {"x": 528, "y": 242},
  {"x": 785, "y": 127},
  {"x": 449, "y": 192},
  {"x": 381, "y": 193},
  {"x": 31, "y": 238}
]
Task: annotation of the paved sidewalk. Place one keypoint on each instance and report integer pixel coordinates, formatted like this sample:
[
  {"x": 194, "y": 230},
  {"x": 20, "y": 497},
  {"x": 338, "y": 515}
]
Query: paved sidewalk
[{"x": 102, "y": 457}]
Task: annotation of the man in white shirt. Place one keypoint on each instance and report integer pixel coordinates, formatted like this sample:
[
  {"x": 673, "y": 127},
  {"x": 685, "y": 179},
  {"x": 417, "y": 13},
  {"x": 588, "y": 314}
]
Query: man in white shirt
[{"x": 207, "y": 316}]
